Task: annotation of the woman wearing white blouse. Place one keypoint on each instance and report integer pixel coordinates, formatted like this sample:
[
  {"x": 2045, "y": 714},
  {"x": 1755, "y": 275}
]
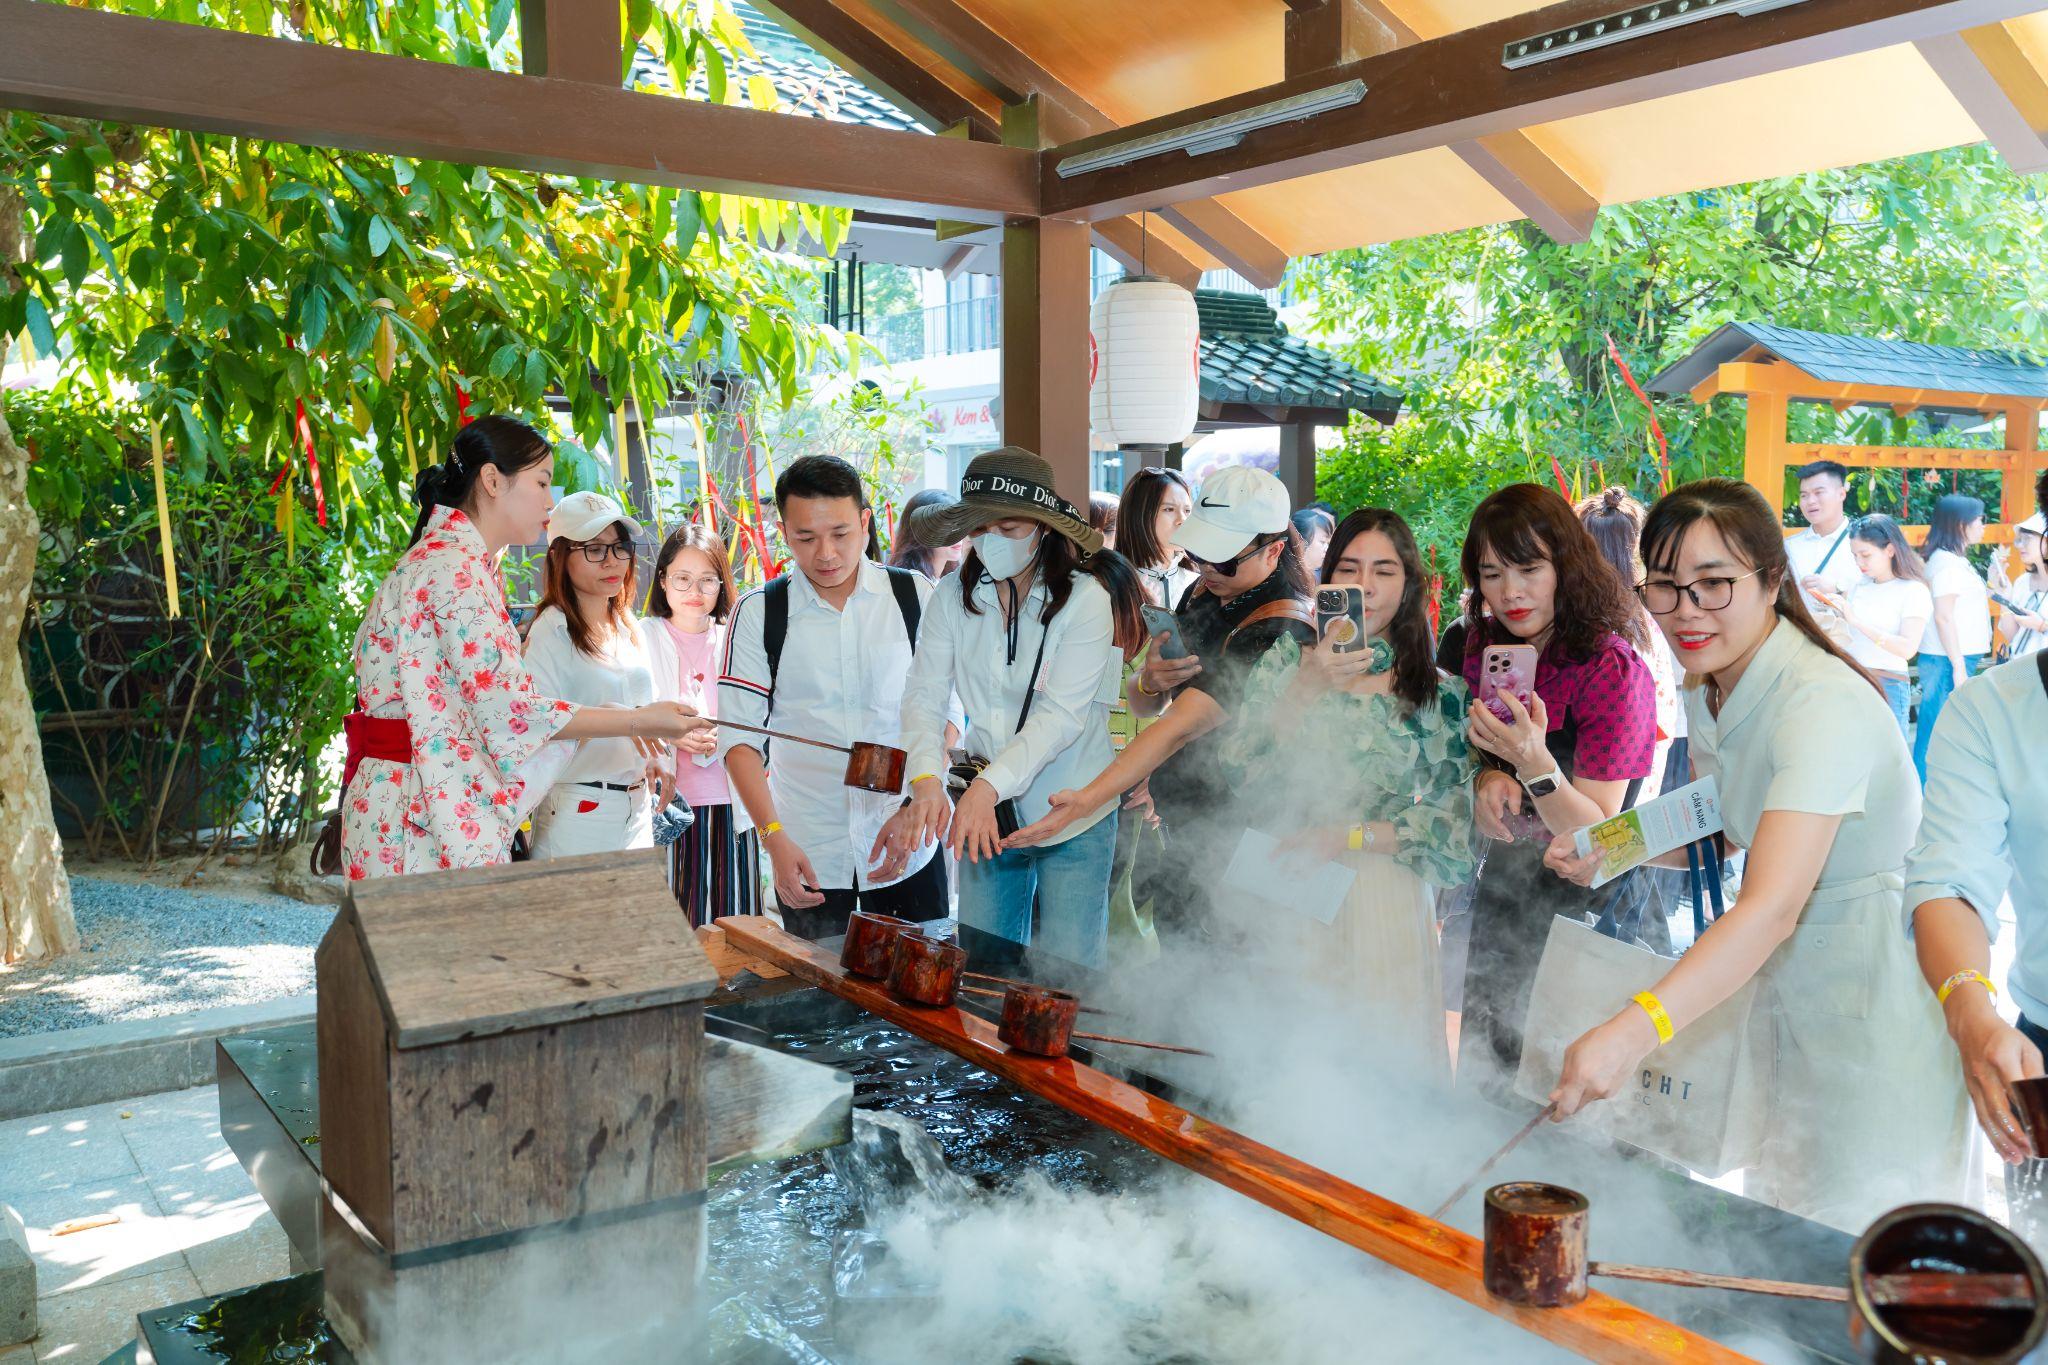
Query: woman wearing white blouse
[
  {"x": 1033, "y": 641},
  {"x": 1888, "y": 611},
  {"x": 585, "y": 646},
  {"x": 1957, "y": 640}
]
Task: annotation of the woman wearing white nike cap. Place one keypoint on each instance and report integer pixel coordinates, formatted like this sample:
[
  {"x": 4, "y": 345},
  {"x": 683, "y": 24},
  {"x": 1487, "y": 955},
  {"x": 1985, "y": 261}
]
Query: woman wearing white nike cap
[{"x": 1253, "y": 589}]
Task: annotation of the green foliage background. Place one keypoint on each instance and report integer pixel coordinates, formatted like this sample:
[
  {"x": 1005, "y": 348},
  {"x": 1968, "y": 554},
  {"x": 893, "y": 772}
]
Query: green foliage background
[{"x": 1499, "y": 334}]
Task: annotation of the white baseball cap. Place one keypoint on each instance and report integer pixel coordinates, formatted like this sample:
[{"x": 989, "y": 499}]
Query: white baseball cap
[
  {"x": 2036, "y": 523},
  {"x": 1236, "y": 504},
  {"x": 583, "y": 516}
]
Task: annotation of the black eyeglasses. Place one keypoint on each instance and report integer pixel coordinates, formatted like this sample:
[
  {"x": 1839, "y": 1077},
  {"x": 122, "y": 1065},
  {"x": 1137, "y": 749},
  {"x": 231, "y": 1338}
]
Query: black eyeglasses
[
  {"x": 1708, "y": 594},
  {"x": 1223, "y": 568},
  {"x": 598, "y": 554}
]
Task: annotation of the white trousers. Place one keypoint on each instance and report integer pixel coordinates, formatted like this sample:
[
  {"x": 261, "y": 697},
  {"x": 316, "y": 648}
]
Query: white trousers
[{"x": 573, "y": 819}]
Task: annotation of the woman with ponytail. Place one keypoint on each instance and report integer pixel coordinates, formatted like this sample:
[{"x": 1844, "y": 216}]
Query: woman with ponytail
[
  {"x": 1867, "y": 1108},
  {"x": 446, "y": 745},
  {"x": 1033, "y": 643}
]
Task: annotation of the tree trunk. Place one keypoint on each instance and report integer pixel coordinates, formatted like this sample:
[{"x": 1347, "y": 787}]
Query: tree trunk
[{"x": 35, "y": 895}]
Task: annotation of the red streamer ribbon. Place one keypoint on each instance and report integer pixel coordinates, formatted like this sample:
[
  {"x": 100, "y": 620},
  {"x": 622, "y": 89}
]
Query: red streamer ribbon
[
  {"x": 313, "y": 467},
  {"x": 462, "y": 417},
  {"x": 1656, "y": 429}
]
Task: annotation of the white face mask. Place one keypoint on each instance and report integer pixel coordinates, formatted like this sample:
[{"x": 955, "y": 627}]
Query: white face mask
[{"x": 1004, "y": 557}]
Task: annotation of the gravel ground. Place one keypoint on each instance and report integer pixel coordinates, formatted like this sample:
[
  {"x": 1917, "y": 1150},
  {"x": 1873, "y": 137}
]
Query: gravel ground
[{"x": 152, "y": 950}]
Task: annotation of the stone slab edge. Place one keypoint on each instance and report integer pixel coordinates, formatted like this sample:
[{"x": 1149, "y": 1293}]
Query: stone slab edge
[{"x": 70, "y": 1068}]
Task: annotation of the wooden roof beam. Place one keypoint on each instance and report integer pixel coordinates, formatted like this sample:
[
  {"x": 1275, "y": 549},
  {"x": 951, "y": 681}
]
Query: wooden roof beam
[
  {"x": 1332, "y": 32},
  {"x": 1065, "y": 114},
  {"x": 572, "y": 40},
  {"x": 1998, "y": 87},
  {"x": 88, "y": 64},
  {"x": 1453, "y": 89},
  {"x": 881, "y": 65}
]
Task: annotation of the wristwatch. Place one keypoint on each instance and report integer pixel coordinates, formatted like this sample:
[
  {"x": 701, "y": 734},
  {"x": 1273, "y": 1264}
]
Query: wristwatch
[{"x": 1546, "y": 785}]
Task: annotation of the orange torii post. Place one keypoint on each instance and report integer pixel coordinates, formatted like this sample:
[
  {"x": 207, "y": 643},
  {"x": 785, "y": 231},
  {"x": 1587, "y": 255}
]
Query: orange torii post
[{"x": 1771, "y": 386}]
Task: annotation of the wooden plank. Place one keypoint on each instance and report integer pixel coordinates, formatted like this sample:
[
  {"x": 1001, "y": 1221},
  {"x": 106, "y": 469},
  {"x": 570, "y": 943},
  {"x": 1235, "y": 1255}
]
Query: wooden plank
[
  {"x": 58, "y": 59},
  {"x": 762, "y": 1105},
  {"x": 523, "y": 1129},
  {"x": 483, "y": 950},
  {"x": 729, "y": 961},
  {"x": 1454, "y": 89},
  {"x": 572, "y": 40},
  {"x": 1998, "y": 88},
  {"x": 1791, "y": 382},
  {"x": 355, "y": 1083},
  {"x": 1602, "y": 1328}
]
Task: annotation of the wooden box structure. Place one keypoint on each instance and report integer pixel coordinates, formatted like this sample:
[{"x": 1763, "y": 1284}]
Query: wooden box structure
[{"x": 513, "y": 1144}]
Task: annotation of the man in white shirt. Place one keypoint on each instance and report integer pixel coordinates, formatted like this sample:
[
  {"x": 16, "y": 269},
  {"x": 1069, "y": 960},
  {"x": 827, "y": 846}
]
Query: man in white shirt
[
  {"x": 1820, "y": 554},
  {"x": 847, "y": 630}
]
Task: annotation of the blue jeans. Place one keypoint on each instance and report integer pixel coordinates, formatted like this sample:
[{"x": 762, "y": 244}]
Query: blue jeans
[
  {"x": 1899, "y": 692},
  {"x": 1937, "y": 680},
  {"x": 1069, "y": 883}
]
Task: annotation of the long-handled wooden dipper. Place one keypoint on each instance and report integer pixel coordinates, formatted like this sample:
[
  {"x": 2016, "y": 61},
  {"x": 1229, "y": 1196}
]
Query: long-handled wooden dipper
[
  {"x": 1491, "y": 1162},
  {"x": 870, "y": 767}
]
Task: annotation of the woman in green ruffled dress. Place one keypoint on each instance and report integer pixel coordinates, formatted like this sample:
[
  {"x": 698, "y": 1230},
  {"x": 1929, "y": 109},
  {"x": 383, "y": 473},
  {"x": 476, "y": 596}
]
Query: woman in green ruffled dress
[{"x": 1359, "y": 757}]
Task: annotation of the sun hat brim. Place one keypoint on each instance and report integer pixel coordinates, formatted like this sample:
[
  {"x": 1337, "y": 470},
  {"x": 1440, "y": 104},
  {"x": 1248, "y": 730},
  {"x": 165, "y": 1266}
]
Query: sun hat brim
[{"x": 1009, "y": 482}]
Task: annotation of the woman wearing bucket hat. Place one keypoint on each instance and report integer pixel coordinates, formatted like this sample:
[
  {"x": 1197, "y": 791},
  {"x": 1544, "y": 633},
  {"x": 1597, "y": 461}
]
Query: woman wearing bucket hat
[{"x": 1033, "y": 642}]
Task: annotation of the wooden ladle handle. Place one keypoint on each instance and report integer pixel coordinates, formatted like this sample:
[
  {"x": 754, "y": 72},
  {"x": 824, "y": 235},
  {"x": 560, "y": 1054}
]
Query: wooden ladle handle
[{"x": 780, "y": 734}]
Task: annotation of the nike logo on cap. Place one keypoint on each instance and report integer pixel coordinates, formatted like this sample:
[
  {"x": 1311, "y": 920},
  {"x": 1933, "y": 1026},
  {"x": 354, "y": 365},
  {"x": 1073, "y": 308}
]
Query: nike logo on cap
[{"x": 1206, "y": 503}]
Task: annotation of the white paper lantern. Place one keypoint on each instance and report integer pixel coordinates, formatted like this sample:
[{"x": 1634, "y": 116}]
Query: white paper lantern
[{"x": 1144, "y": 363}]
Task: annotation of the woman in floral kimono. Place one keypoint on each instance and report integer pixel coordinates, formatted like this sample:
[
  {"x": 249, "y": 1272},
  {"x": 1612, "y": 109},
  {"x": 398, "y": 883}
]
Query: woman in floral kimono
[
  {"x": 1360, "y": 758},
  {"x": 449, "y": 747}
]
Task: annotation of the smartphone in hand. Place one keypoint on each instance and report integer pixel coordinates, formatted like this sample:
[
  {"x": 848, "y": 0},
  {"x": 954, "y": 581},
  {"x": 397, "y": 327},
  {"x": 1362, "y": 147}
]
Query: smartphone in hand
[
  {"x": 1159, "y": 619},
  {"x": 1340, "y": 617},
  {"x": 1509, "y": 668}
]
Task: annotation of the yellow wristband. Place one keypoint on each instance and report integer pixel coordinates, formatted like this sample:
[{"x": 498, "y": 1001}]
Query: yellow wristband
[
  {"x": 772, "y": 827},
  {"x": 1966, "y": 974},
  {"x": 921, "y": 777},
  {"x": 1355, "y": 841},
  {"x": 1654, "y": 1007},
  {"x": 1138, "y": 686}
]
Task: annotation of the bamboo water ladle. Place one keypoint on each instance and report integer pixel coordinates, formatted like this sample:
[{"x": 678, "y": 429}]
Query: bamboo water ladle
[{"x": 869, "y": 767}]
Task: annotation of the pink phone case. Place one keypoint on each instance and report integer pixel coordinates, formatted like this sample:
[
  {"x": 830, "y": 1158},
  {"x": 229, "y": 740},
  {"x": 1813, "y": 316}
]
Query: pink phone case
[{"x": 1507, "y": 666}]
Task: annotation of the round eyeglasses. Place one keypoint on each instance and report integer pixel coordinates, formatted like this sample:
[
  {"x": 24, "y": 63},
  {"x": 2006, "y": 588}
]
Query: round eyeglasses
[{"x": 1708, "y": 594}]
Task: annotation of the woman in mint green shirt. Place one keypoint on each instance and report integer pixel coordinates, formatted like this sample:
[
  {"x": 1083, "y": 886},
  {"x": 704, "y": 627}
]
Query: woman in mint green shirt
[{"x": 1360, "y": 758}]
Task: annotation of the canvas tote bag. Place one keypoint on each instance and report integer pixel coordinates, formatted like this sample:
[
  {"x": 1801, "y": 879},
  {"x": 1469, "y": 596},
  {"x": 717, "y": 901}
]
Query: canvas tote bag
[{"x": 1699, "y": 1100}]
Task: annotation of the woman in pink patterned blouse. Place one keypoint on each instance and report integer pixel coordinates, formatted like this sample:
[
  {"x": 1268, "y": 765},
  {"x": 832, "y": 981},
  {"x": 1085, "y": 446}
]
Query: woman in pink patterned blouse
[
  {"x": 1576, "y": 754},
  {"x": 449, "y": 746}
]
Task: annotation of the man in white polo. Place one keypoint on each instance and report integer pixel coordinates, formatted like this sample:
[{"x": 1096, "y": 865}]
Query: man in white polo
[{"x": 1820, "y": 554}]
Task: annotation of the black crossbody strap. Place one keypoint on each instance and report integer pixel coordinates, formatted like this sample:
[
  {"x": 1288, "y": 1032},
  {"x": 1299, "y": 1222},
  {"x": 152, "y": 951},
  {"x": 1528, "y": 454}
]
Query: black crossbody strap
[
  {"x": 2041, "y": 662},
  {"x": 1831, "y": 550},
  {"x": 1031, "y": 683}
]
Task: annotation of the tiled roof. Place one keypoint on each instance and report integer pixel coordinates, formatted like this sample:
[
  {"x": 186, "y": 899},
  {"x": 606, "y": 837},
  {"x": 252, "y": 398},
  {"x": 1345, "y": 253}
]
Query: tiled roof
[
  {"x": 807, "y": 83},
  {"x": 1863, "y": 360},
  {"x": 1247, "y": 357}
]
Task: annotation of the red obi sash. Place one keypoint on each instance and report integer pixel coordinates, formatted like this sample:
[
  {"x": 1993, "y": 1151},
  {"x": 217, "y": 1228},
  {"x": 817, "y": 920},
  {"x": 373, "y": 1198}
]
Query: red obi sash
[{"x": 373, "y": 737}]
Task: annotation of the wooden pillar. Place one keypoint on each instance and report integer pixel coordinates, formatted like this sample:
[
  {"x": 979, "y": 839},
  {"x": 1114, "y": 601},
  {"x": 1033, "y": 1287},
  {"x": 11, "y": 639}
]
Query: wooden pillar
[
  {"x": 1297, "y": 468},
  {"x": 1045, "y": 346},
  {"x": 1763, "y": 447},
  {"x": 1045, "y": 330},
  {"x": 572, "y": 40},
  {"x": 2022, "y": 442}
]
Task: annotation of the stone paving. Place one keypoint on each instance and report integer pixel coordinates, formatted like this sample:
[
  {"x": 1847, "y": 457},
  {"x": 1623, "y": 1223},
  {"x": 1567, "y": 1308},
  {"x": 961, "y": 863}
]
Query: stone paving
[{"x": 190, "y": 1221}]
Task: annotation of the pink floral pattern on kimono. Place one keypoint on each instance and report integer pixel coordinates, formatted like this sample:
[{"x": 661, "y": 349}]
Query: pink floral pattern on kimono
[{"x": 437, "y": 649}]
